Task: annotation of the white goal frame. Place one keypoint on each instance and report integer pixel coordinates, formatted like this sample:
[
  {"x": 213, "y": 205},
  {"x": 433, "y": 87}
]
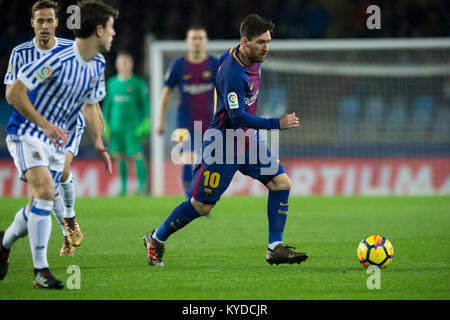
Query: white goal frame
[{"x": 157, "y": 71}]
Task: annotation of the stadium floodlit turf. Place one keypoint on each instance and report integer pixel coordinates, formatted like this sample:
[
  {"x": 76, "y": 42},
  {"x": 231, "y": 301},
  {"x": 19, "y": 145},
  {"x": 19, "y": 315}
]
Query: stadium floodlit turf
[{"x": 223, "y": 257}]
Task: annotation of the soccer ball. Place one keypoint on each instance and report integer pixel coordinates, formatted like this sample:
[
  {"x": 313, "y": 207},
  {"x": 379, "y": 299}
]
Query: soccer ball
[{"x": 375, "y": 250}]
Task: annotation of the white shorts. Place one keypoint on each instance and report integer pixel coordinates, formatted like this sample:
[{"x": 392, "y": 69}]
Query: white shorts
[
  {"x": 30, "y": 152},
  {"x": 74, "y": 140}
]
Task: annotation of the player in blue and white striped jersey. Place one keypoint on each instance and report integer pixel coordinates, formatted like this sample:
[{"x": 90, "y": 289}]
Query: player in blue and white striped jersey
[
  {"x": 67, "y": 80},
  {"x": 26, "y": 53},
  {"x": 44, "y": 22}
]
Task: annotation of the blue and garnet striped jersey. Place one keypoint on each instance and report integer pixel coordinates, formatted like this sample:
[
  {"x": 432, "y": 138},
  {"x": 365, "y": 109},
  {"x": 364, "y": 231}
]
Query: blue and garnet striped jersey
[
  {"x": 236, "y": 95},
  {"x": 196, "y": 84}
]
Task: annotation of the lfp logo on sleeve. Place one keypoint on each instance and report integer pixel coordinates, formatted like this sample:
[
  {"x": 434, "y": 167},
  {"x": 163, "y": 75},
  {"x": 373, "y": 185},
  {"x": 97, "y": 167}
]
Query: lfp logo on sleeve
[{"x": 233, "y": 100}]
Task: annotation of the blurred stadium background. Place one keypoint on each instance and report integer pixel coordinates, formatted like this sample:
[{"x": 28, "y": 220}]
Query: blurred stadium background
[{"x": 375, "y": 104}]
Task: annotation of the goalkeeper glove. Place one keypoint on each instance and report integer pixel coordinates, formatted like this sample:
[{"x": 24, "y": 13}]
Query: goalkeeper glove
[
  {"x": 143, "y": 129},
  {"x": 106, "y": 131}
]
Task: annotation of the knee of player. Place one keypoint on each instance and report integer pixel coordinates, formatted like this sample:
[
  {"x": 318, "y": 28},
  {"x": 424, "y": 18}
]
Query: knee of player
[
  {"x": 281, "y": 182},
  {"x": 45, "y": 193},
  {"x": 201, "y": 208}
]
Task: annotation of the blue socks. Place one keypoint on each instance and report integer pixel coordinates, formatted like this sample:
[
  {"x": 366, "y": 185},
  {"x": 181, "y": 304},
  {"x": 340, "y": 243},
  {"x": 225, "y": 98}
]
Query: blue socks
[
  {"x": 180, "y": 217},
  {"x": 277, "y": 210},
  {"x": 186, "y": 176}
]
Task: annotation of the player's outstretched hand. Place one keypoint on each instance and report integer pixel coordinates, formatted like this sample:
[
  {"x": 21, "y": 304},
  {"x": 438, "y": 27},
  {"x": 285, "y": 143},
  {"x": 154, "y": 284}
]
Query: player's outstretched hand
[
  {"x": 56, "y": 135},
  {"x": 289, "y": 121},
  {"x": 104, "y": 156}
]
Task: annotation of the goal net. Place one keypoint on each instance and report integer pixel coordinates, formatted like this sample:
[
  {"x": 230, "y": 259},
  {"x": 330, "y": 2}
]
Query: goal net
[{"x": 375, "y": 115}]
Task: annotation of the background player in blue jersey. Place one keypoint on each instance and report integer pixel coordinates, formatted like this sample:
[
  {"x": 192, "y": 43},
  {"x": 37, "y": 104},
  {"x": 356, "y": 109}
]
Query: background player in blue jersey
[
  {"x": 64, "y": 82},
  {"x": 194, "y": 75},
  {"x": 44, "y": 21},
  {"x": 236, "y": 98}
]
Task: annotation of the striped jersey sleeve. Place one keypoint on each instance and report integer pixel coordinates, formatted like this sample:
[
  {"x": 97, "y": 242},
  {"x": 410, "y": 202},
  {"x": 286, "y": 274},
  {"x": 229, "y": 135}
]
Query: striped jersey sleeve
[
  {"x": 98, "y": 92},
  {"x": 15, "y": 63}
]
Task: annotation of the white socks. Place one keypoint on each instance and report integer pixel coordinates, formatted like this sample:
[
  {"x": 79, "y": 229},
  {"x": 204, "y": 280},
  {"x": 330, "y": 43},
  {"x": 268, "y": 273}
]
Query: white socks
[
  {"x": 58, "y": 212},
  {"x": 273, "y": 245},
  {"x": 67, "y": 191},
  {"x": 39, "y": 229},
  {"x": 17, "y": 229}
]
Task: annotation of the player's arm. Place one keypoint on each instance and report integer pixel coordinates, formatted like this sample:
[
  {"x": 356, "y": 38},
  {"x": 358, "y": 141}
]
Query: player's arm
[
  {"x": 101, "y": 120},
  {"x": 234, "y": 100},
  {"x": 164, "y": 105},
  {"x": 17, "y": 97},
  {"x": 91, "y": 115},
  {"x": 235, "y": 104},
  {"x": 14, "y": 65},
  {"x": 170, "y": 81},
  {"x": 143, "y": 129},
  {"x": 7, "y": 90}
]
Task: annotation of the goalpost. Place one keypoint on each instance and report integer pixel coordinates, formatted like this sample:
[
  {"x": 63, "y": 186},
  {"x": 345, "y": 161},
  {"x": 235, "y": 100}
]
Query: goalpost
[{"x": 357, "y": 99}]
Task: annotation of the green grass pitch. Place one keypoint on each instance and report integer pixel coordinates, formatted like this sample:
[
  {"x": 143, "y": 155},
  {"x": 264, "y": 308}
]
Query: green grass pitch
[{"x": 223, "y": 257}]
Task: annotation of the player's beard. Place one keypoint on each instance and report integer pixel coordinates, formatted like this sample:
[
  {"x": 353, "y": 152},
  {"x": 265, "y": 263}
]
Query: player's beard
[
  {"x": 258, "y": 57},
  {"x": 46, "y": 40}
]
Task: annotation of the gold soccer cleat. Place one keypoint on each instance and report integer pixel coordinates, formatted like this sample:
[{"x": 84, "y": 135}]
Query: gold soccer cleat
[
  {"x": 67, "y": 249},
  {"x": 74, "y": 234}
]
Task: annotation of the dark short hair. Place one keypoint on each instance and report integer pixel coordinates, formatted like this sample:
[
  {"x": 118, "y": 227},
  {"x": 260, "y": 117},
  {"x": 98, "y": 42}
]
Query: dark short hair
[
  {"x": 254, "y": 25},
  {"x": 196, "y": 26},
  {"x": 93, "y": 13},
  {"x": 45, "y": 4},
  {"x": 125, "y": 53}
]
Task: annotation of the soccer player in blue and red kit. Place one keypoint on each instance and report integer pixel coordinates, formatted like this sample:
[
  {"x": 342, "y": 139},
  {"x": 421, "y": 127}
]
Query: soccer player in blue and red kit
[
  {"x": 236, "y": 92},
  {"x": 194, "y": 74}
]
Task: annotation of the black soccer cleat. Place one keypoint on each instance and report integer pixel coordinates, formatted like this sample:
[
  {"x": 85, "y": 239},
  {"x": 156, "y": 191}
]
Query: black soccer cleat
[
  {"x": 155, "y": 250},
  {"x": 43, "y": 279},
  {"x": 4, "y": 258},
  {"x": 284, "y": 254}
]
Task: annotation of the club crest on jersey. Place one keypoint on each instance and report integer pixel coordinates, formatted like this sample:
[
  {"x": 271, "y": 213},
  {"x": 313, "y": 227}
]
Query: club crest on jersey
[
  {"x": 232, "y": 100},
  {"x": 37, "y": 155},
  {"x": 207, "y": 74},
  {"x": 44, "y": 72},
  {"x": 94, "y": 80}
]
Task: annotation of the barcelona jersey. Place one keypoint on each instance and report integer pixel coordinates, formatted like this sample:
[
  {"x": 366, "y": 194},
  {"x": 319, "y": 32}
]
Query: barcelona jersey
[
  {"x": 196, "y": 84},
  {"x": 236, "y": 95}
]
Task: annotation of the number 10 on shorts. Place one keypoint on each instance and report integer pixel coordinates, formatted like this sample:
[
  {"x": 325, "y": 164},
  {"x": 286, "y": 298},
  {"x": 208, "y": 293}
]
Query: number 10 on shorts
[{"x": 211, "y": 179}]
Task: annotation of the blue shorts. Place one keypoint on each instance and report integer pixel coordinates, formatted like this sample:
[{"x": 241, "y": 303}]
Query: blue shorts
[{"x": 212, "y": 180}]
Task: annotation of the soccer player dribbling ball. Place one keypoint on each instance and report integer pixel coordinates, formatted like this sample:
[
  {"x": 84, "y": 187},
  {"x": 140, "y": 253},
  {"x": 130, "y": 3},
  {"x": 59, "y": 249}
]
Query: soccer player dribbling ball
[
  {"x": 64, "y": 82},
  {"x": 237, "y": 87}
]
